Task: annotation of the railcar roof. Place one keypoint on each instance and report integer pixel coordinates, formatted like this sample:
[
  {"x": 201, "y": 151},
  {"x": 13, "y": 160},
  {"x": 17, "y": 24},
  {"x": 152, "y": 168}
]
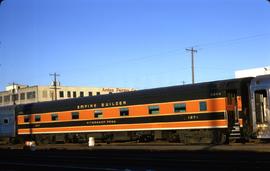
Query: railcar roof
[{"x": 153, "y": 95}]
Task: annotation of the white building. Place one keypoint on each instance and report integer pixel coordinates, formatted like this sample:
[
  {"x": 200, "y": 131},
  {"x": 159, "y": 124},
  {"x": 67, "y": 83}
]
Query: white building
[
  {"x": 22, "y": 94},
  {"x": 252, "y": 72}
]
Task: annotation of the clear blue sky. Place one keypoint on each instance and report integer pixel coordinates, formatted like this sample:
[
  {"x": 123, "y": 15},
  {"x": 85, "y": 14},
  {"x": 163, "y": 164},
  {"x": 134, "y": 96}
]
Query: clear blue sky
[{"x": 130, "y": 43}]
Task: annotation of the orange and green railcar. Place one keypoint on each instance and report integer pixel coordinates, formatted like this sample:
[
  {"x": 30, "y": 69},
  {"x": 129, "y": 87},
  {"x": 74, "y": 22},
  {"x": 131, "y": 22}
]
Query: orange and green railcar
[{"x": 209, "y": 112}]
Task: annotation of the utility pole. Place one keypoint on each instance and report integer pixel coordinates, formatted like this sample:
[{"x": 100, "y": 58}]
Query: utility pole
[
  {"x": 55, "y": 84},
  {"x": 13, "y": 94},
  {"x": 192, "y": 50}
]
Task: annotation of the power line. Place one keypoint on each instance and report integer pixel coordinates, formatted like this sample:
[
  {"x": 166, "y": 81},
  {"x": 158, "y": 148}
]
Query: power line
[
  {"x": 214, "y": 43},
  {"x": 171, "y": 51},
  {"x": 230, "y": 41}
]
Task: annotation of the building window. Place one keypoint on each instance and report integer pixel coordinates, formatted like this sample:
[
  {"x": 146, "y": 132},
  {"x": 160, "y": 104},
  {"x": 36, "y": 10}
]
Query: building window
[
  {"x": 74, "y": 94},
  {"x": 124, "y": 112},
  {"x": 15, "y": 97},
  {"x": 98, "y": 93},
  {"x": 6, "y": 121},
  {"x": 31, "y": 95},
  {"x": 52, "y": 94},
  {"x": 90, "y": 93},
  {"x": 7, "y": 99},
  {"x": 1, "y": 99},
  {"x": 98, "y": 114},
  {"x": 203, "y": 106},
  {"x": 22, "y": 96},
  {"x": 37, "y": 118},
  {"x": 54, "y": 117},
  {"x": 75, "y": 115},
  {"x": 61, "y": 94},
  {"x": 26, "y": 118},
  {"x": 68, "y": 94},
  {"x": 179, "y": 107},
  {"x": 44, "y": 94},
  {"x": 153, "y": 109},
  {"x": 81, "y": 93}
]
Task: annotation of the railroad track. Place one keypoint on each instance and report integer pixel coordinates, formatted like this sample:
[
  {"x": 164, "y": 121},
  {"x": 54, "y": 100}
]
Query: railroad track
[{"x": 132, "y": 160}]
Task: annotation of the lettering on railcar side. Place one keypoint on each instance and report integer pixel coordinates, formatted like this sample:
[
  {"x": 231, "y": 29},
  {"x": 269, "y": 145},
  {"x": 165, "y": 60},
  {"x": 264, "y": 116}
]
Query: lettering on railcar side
[
  {"x": 101, "y": 122},
  {"x": 103, "y": 104}
]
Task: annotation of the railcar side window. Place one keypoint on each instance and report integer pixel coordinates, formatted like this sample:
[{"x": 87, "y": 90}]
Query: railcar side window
[
  {"x": 75, "y": 115},
  {"x": 37, "y": 118},
  {"x": 54, "y": 117},
  {"x": 26, "y": 118},
  {"x": 153, "y": 109},
  {"x": 124, "y": 112},
  {"x": 203, "y": 106},
  {"x": 180, "y": 107},
  {"x": 98, "y": 114}
]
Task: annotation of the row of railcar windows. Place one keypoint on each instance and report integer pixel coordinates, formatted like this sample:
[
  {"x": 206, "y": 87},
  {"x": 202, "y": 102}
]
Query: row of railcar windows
[{"x": 153, "y": 109}]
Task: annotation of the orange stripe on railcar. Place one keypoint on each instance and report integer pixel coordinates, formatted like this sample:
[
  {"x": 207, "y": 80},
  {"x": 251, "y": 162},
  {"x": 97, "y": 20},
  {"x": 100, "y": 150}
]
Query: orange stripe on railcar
[{"x": 130, "y": 127}]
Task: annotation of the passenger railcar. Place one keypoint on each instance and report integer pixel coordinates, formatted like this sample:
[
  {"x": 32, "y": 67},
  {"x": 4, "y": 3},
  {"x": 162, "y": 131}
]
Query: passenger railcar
[{"x": 211, "y": 112}]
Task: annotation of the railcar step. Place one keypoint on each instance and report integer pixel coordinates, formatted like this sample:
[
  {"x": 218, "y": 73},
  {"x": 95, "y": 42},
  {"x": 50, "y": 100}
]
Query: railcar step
[
  {"x": 235, "y": 129},
  {"x": 235, "y": 132}
]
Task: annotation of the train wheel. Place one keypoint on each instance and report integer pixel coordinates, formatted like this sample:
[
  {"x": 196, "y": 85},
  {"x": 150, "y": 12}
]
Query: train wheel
[{"x": 219, "y": 138}]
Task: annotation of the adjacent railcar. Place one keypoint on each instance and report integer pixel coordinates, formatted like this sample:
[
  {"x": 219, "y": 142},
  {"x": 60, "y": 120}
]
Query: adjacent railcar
[
  {"x": 260, "y": 107},
  {"x": 211, "y": 112},
  {"x": 7, "y": 124}
]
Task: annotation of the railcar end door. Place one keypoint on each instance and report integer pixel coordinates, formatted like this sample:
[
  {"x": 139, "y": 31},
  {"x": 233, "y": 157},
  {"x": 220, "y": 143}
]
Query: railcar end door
[
  {"x": 261, "y": 109},
  {"x": 232, "y": 108}
]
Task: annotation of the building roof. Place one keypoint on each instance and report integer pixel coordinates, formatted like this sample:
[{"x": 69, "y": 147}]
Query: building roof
[{"x": 253, "y": 72}]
